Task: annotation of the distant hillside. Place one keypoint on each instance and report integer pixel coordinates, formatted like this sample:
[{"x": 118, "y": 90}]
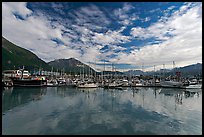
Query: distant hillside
[
  {"x": 13, "y": 55},
  {"x": 194, "y": 69},
  {"x": 71, "y": 65},
  {"x": 134, "y": 72},
  {"x": 190, "y": 70}
]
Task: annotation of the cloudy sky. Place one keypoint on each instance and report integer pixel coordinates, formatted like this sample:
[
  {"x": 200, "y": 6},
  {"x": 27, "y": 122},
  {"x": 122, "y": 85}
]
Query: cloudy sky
[{"x": 132, "y": 35}]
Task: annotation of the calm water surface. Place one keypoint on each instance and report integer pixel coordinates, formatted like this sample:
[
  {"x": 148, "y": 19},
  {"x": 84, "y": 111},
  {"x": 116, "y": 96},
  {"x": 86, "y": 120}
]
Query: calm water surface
[{"x": 63, "y": 110}]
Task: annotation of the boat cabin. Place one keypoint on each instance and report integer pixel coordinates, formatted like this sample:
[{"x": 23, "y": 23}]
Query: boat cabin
[{"x": 16, "y": 74}]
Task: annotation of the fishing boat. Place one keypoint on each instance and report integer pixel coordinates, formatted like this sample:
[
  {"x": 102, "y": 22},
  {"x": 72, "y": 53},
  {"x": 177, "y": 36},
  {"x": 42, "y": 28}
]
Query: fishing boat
[{"x": 29, "y": 82}]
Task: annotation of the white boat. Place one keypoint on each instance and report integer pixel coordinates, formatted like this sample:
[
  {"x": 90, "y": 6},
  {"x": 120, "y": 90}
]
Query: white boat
[
  {"x": 197, "y": 86},
  {"x": 137, "y": 83},
  {"x": 193, "y": 84},
  {"x": 87, "y": 85},
  {"x": 171, "y": 84},
  {"x": 125, "y": 83},
  {"x": 61, "y": 81},
  {"x": 52, "y": 83},
  {"x": 112, "y": 85}
]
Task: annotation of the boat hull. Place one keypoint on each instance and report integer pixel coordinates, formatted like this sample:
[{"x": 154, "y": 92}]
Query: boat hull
[
  {"x": 29, "y": 83},
  {"x": 87, "y": 86},
  {"x": 198, "y": 86},
  {"x": 171, "y": 84}
]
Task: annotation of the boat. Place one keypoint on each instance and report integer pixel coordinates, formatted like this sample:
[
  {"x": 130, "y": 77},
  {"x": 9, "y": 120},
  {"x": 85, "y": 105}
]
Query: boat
[
  {"x": 172, "y": 81},
  {"x": 29, "y": 82},
  {"x": 125, "y": 83},
  {"x": 112, "y": 85},
  {"x": 171, "y": 84},
  {"x": 16, "y": 73},
  {"x": 61, "y": 81},
  {"x": 194, "y": 84},
  {"x": 22, "y": 77},
  {"x": 52, "y": 83},
  {"x": 137, "y": 83},
  {"x": 7, "y": 82},
  {"x": 87, "y": 85},
  {"x": 3, "y": 84}
]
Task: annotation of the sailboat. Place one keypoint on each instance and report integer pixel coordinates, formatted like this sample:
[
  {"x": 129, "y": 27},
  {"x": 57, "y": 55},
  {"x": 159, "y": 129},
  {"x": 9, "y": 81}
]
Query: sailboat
[
  {"x": 87, "y": 84},
  {"x": 172, "y": 83}
]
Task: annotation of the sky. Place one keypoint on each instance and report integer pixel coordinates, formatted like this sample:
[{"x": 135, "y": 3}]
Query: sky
[{"x": 129, "y": 35}]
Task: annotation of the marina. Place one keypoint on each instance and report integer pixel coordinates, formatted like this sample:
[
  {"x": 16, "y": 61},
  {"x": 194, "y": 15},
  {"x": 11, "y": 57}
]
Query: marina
[
  {"x": 102, "y": 68},
  {"x": 9, "y": 80},
  {"x": 90, "y": 111}
]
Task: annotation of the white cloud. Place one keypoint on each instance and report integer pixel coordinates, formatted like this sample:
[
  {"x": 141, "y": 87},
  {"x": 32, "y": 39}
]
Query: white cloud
[
  {"x": 124, "y": 16},
  {"x": 184, "y": 46},
  {"x": 180, "y": 35},
  {"x": 139, "y": 32},
  {"x": 17, "y": 7},
  {"x": 91, "y": 15},
  {"x": 111, "y": 37},
  {"x": 35, "y": 32}
]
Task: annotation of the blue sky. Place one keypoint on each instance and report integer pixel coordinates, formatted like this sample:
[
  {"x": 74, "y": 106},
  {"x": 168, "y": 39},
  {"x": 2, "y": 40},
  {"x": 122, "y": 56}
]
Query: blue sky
[{"x": 129, "y": 34}]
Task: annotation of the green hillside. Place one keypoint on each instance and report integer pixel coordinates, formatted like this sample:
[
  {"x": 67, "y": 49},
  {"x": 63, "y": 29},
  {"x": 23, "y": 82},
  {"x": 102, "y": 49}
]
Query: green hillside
[
  {"x": 15, "y": 57},
  {"x": 71, "y": 65}
]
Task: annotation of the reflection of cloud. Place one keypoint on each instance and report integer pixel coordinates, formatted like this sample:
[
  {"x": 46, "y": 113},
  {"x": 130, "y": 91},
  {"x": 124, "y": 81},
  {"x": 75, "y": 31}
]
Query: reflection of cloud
[{"x": 104, "y": 112}]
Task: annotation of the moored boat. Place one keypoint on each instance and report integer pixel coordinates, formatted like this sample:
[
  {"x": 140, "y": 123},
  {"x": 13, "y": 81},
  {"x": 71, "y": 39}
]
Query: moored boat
[
  {"x": 52, "y": 83},
  {"x": 29, "y": 82},
  {"x": 87, "y": 85},
  {"x": 171, "y": 84}
]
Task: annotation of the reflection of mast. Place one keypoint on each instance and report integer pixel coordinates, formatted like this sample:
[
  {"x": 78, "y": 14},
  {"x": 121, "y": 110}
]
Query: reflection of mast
[
  {"x": 175, "y": 103},
  {"x": 178, "y": 99},
  {"x": 112, "y": 100},
  {"x": 133, "y": 93},
  {"x": 88, "y": 94},
  {"x": 143, "y": 98},
  {"x": 155, "y": 93}
]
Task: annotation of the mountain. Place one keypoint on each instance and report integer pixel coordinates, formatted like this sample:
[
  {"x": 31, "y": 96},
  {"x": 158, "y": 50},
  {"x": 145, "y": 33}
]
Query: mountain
[
  {"x": 71, "y": 65},
  {"x": 14, "y": 56},
  {"x": 191, "y": 70},
  {"x": 186, "y": 71},
  {"x": 134, "y": 72}
]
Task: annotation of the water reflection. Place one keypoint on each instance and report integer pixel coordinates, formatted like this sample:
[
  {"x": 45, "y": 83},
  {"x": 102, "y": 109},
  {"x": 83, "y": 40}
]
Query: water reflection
[
  {"x": 63, "y": 110},
  {"x": 192, "y": 93},
  {"x": 15, "y": 96}
]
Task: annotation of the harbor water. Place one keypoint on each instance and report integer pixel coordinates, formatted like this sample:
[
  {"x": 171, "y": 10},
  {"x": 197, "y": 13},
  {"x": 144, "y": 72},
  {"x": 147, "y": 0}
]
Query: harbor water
[{"x": 98, "y": 111}]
